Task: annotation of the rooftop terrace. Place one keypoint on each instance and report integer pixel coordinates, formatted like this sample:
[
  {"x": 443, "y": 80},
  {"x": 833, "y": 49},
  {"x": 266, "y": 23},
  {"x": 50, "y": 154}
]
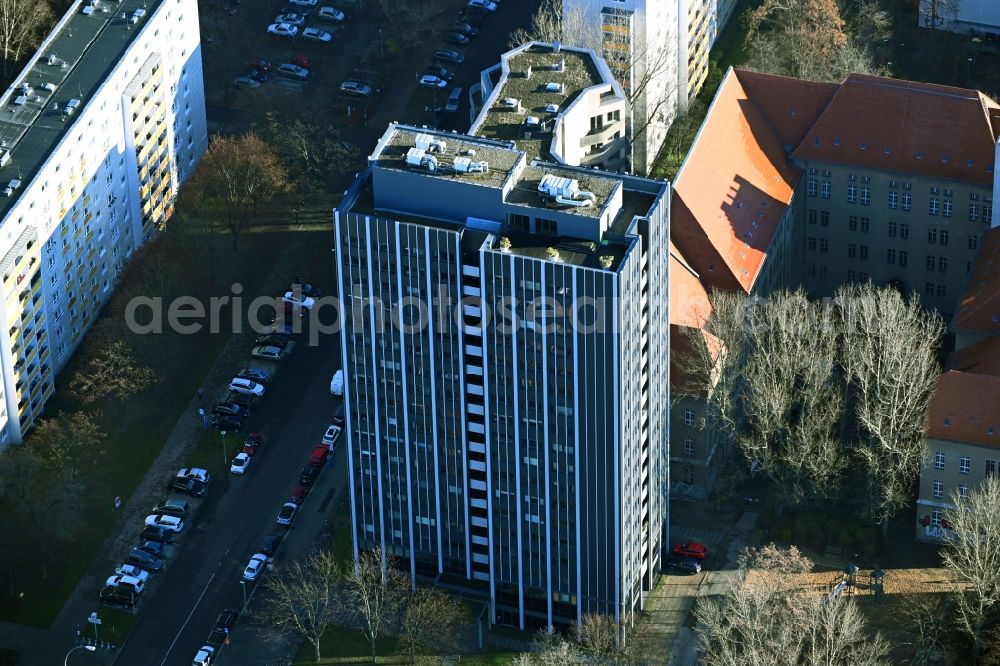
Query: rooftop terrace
[
  {"x": 62, "y": 77},
  {"x": 573, "y": 69}
]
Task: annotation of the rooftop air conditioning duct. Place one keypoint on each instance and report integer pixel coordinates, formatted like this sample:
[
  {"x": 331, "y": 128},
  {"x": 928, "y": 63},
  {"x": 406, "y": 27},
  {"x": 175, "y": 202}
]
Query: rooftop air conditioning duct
[
  {"x": 467, "y": 165},
  {"x": 430, "y": 143},
  {"x": 565, "y": 191},
  {"x": 418, "y": 157},
  {"x": 552, "y": 87}
]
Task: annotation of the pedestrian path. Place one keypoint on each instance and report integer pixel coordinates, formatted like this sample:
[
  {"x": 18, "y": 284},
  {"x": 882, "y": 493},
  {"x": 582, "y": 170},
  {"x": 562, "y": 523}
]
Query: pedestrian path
[{"x": 696, "y": 534}]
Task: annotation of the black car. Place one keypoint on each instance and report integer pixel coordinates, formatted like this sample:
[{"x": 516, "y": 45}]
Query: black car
[
  {"x": 308, "y": 475},
  {"x": 338, "y": 416},
  {"x": 156, "y": 534},
  {"x": 447, "y": 55},
  {"x": 192, "y": 487},
  {"x": 306, "y": 289},
  {"x": 682, "y": 564},
  {"x": 473, "y": 16},
  {"x": 230, "y": 423},
  {"x": 144, "y": 560},
  {"x": 230, "y": 409},
  {"x": 465, "y": 29},
  {"x": 226, "y": 621},
  {"x": 279, "y": 340},
  {"x": 154, "y": 548},
  {"x": 440, "y": 72},
  {"x": 120, "y": 595},
  {"x": 271, "y": 542},
  {"x": 258, "y": 375},
  {"x": 456, "y": 38},
  {"x": 246, "y": 402}
]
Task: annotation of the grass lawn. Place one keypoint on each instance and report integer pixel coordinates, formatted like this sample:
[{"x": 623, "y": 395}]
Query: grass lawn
[
  {"x": 343, "y": 546},
  {"x": 115, "y": 625},
  {"x": 346, "y": 646}
]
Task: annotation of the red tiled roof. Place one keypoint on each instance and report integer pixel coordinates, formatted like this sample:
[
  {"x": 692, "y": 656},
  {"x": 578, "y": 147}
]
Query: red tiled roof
[
  {"x": 979, "y": 309},
  {"x": 909, "y": 127},
  {"x": 981, "y": 358},
  {"x": 791, "y": 106},
  {"x": 735, "y": 184},
  {"x": 689, "y": 303},
  {"x": 965, "y": 407}
]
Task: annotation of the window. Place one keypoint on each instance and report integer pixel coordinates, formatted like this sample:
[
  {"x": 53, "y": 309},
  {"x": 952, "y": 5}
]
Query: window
[
  {"x": 928, "y": 289},
  {"x": 932, "y": 206},
  {"x": 851, "y": 276},
  {"x": 890, "y": 256},
  {"x": 942, "y": 264},
  {"x": 689, "y": 474},
  {"x": 866, "y": 195},
  {"x": 941, "y": 291},
  {"x": 939, "y": 460},
  {"x": 987, "y": 212},
  {"x": 893, "y": 200},
  {"x": 852, "y": 251},
  {"x": 936, "y": 518},
  {"x": 812, "y": 216},
  {"x": 863, "y": 252},
  {"x": 812, "y": 244},
  {"x": 689, "y": 417},
  {"x": 931, "y": 262},
  {"x": 964, "y": 463},
  {"x": 852, "y": 222},
  {"x": 907, "y": 198},
  {"x": 903, "y": 257},
  {"x": 904, "y": 230},
  {"x": 824, "y": 245},
  {"x": 990, "y": 468},
  {"x": 812, "y": 187},
  {"x": 943, "y": 237},
  {"x": 946, "y": 208},
  {"x": 892, "y": 229},
  {"x": 931, "y": 236},
  {"x": 689, "y": 446},
  {"x": 963, "y": 492},
  {"x": 852, "y": 193},
  {"x": 973, "y": 212},
  {"x": 824, "y": 218},
  {"x": 938, "y": 489},
  {"x": 825, "y": 192},
  {"x": 864, "y": 225}
]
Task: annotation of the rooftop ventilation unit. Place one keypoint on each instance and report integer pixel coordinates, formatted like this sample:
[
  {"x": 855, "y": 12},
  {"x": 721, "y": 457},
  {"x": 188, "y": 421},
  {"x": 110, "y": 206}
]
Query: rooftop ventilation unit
[
  {"x": 430, "y": 143},
  {"x": 565, "y": 191},
  {"x": 532, "y": 121},
  {"x": 418, "y": 157},
  {"x": 556, "y": 47},
  {"x": 11, "y": 186},
  {"x": 552, "y": 87},
  {"x": 511, "y": 103},
  {"x": 552, "y": 108},
  {"x": 467, "y": 165}
]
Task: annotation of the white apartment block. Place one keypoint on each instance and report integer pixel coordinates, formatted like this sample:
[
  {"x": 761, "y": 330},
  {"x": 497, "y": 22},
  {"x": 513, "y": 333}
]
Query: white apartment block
[
  {"x": 960, "y": 17},
  {"x": 96, "y": 135}
]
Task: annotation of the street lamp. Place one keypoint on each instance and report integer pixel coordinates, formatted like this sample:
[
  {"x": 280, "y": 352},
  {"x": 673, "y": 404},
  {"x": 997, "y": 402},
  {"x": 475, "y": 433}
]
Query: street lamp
[
  {"x": 88, "y": 648},
  {"x": 968, "y": 72},
  {"x": 224, "y": 458}
]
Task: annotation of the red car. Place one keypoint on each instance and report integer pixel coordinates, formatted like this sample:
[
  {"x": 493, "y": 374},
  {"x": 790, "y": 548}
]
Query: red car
[
  {"x": 299, "y": 494},
  {"x": 259, "y": 64},
  {"x": 319, "y": 454},
  {"x": 301, "y": 60},
  {"x": 693, "y": 550},
  {"x": 252, "y": 443}
]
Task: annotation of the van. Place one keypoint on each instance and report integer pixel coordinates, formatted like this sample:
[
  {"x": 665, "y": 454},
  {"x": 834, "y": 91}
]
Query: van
[
  {"x": 337, "y": 383},
  {"x": 453, "y": 100}
]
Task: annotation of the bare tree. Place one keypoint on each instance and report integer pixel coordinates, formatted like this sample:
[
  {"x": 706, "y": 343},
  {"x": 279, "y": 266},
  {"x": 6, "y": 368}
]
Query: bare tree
[
  {"x": 375, "y": 592},
  {"x": 972, "y": 558},
  {"x": 936, "y": 12},
  {"x": 889, "y": 356},
  {"x": 928, "y": 621},
  {"x": 310, "y": 148},
  {"x": 430, "y": 623},
  {"x": 113, "y": 372},
  {"x": 302, "y": 597},
  {"x": 62, "y": 439},
  {"x": 242, "y": 172},
  {"x": 21, "y": 26}
]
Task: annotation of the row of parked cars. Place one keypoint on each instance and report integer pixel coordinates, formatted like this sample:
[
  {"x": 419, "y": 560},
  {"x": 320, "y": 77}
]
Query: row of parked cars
[{"x": 156, "y": 538}]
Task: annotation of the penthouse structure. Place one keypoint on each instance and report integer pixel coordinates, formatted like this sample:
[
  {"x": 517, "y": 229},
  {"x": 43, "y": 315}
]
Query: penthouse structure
[
  {"x": 97, "y": 133},
  {"x": 506, "y": 364}
]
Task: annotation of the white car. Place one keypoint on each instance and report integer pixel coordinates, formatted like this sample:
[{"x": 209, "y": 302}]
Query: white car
[
  {"x": 431, "y": 81},
  {"x": 483, "y": 4},
  {"x": 245, "y": 82},
  {"x": 194, "y": 473},
  {"x": 268, "y": 352},
  {"x": 136, "y": 583},
  {"x": 205, "y": 656},
  {"x": 246, "y": 387},
  {"x": 240, "y": 463},
  {"x": 304, "y": 302},
  {"x": 303, "y": 3},
  {"x": 254, "y": 567},
  {"x": 293, "y": 71},
  {"x": 355, "y": 89},
  {"x": 331, "y": 436},
  {"x": 331, "y": 13},
  {"x": 317, "y": 35},
  {"x": 132, "y": 571},
  {"x": 171, "y": 523},
  {"x": 293, "y": 19},
  {"x": 282, "y": 30},
  {"x": 287, "y": 513}
]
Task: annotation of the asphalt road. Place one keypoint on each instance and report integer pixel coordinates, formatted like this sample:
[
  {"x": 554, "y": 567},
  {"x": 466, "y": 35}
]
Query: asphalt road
[{"x": 239, "y": 512}]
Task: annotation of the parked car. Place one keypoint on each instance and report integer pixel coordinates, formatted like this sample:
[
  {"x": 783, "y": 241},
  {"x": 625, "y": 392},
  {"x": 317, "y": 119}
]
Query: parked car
[
  {"x": 267, "y": 352},
  {"x": 254, "y": 566},
  {"x": 258, "y": 375},
  {"x": 240, "y": 463},
  {"x": 317, "y": 35},
  {"x": 308, "y": 475},
  {"x": 252, "y": 443},
  {"x": 172, "y": 523},
  {"x": 331, "y": 436},
  {"x": 448, "y": 55},
  {"x": 271, "y": 543},
  {"x": 306, "y": 289},
  {"x": 157, "y": 534},
  {"x": 154, "y": 548},
  {"x": 319, "y": 454},
  {"x": 693, "y": 550},
  {"x": 119, "y": 596},
  {"x": 331, "y": 14},
  {"x": 299, "y": 494},
  {"x": 194, "y": 473},
  {"x": 287, "y": 513},
  {"x": 431, "y": 81},
  {"x": 686, "y": 565},
  {"x": 245, "y": 82},
  {"x": 135, "y": 583},
  {"x": 246, "y": 386},
  {"x": 230, "y": 409},
  {"x": 144, "y": 560},
  {"x": 192, "y": 487},
  {"x": 205, "y": 656},
  {"x": 355, "y": 89},
  {"x": 299, "y": 300},
  {"x": 482, "y": 4},
  {"x": 337, "y": 383},
  {"x": 465, "y": 28},
  {"x": 246, "y": 402},
  {"x": 226, "y": 621},
  {"x": 454, "y": 99},
  {"x": 282, "y": 30},
  {"x": 228, "y": 423},
  {"x": 258, "y": 65},
  {"x": 303, "y": 3},
  {"x": 173, "y": 507},
  {"x": 291, "y": 71},
  {"x": 305, "y": 62},
  {"x": 338, "y": 416},
  {"x": 440, "y": 72},
  {"x": 279, "y": 340},
  {"x": 292, "y": 18},
  {"x": 132, "y": 570},
  {"x": 456, "y": 38}
]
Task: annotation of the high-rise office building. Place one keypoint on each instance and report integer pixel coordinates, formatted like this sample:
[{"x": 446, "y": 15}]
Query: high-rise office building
[
  {"x": 505, "y": 348},
  {"x": 97, "y": 132}
]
